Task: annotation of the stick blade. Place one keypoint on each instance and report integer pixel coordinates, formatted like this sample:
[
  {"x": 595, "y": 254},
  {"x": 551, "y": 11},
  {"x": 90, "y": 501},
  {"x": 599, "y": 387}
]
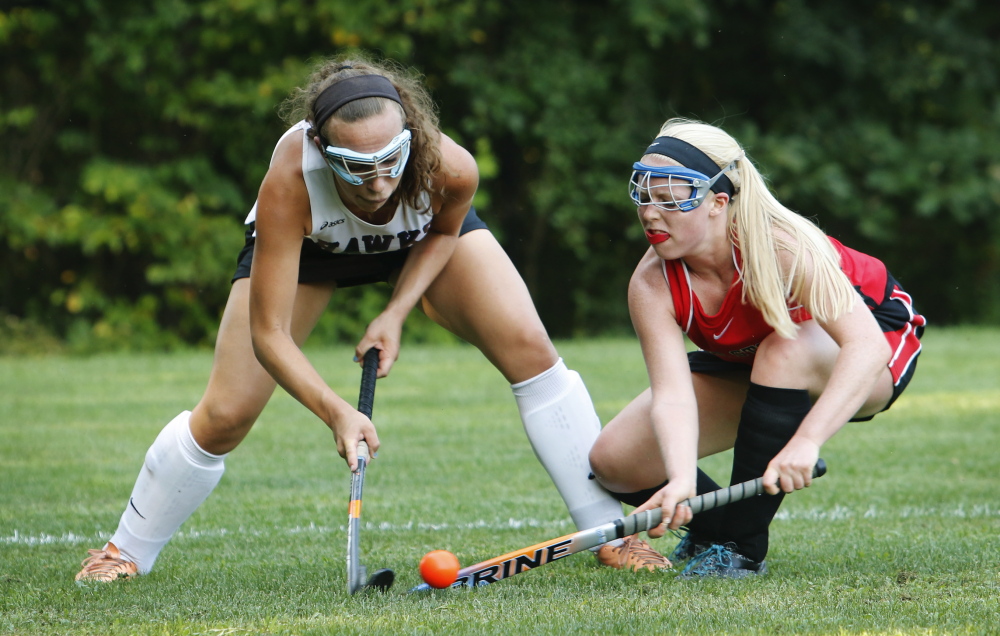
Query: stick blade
[{"x": 381, "y": 580}]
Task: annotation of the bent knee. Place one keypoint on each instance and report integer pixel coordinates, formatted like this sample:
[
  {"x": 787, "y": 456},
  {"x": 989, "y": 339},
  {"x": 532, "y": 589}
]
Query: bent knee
[
  {"x": 219, "y": 428},
  {"x": 532, "y": 342},
  {"x": 524, "y": 352},
  {"x": 802, "y": 362},
  {"x": 611, "y": 475},
  {"x": 601, "y": 460}
]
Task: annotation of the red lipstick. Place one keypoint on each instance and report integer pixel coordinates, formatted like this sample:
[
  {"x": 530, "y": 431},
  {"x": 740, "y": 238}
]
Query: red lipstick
[{"x": 656, "y": 237}]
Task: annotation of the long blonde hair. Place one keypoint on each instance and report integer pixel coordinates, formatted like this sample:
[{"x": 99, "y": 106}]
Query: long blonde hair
[
  {"x": 418, "y": 110},
  {"x": 760, "y": 226}
]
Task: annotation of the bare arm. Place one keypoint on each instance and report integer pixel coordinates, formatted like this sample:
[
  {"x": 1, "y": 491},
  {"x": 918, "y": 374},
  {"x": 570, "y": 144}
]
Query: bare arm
[
  {"x": 674, "y": 410},
  {"x": 283, "y": 218},
  {"x": 864, "y": 354},
  {"x": 455, "y": 189},
  {"x": 860, "y": 363}
]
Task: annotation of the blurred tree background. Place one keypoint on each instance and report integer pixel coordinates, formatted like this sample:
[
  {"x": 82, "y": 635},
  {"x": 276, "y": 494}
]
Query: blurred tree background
[{"x": 135, "y": 136}]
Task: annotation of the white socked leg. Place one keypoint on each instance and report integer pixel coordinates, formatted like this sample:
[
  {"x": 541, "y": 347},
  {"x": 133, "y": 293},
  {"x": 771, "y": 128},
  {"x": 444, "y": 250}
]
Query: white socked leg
[
  {"x": 562, "y": 425},
  {"x": 176, "y": 477}
]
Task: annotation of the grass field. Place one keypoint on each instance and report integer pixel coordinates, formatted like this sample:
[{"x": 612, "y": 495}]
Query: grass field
[{"x": 901, "y": 537}]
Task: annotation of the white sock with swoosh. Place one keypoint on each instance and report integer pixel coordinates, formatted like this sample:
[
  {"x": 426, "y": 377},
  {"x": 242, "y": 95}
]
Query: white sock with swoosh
[{"x": 176, "y": 477}]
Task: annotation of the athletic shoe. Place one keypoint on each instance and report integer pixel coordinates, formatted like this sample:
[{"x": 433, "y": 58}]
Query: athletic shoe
[
  {"x": 723, "y": 561},
  {"x": 688, "y": 548},
  {"x": 633, "y": 554},
  {"x": 104, "y": 566}
]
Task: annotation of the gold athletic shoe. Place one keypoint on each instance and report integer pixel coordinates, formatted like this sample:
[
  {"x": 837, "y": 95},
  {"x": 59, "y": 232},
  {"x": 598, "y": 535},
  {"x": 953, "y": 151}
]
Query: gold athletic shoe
[
  {"x": 633, "y": 554},
  {"x": 104, "y": 566}
]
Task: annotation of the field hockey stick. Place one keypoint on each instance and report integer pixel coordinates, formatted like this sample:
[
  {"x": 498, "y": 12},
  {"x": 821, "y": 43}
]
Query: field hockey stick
[
  {"x": 356, "y": 573},
  {"x": 519, "y": 561}
]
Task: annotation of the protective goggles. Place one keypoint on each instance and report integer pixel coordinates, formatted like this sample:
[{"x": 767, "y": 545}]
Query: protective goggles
[
  {"x": 683, "y": 189},
  {"x": 358, "y": 167}
]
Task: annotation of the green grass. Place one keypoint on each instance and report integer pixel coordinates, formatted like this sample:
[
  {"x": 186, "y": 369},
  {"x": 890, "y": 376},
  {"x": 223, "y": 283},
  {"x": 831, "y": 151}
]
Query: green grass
[{"x": 901, "y": 537}]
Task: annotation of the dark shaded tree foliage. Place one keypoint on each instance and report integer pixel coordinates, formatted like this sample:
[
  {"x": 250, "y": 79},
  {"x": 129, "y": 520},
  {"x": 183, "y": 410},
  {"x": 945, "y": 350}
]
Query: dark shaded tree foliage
[{"x": 135, "y": 136}]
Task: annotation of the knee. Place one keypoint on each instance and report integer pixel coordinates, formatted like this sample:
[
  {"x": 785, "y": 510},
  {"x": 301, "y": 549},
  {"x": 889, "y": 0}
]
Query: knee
[
  {"x": 775, "y": 351},
  {"x": 600, "y": 461},
  {"x": 220, "y": 427},
  {"x": 610, "y": 472},
  {"x": 533, "y": 342},
  {"x": 524, "y": 352},
  {"x": 801, "y": 362}
]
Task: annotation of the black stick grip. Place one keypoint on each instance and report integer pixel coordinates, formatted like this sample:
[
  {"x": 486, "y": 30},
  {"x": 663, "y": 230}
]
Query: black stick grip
[
  {"x": 738, "y": 492},
  {"x": 366, "y": 398}
]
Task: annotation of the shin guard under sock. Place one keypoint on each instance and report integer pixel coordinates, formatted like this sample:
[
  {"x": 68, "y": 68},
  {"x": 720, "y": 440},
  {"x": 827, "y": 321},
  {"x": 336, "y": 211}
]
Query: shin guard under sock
[
  {"x": 562, "y": 426},
  {"x": 176, "y": 477},
  {"x": 769, "y": 419}
]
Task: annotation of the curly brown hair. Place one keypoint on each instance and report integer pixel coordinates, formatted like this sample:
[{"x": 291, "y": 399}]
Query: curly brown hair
[{"x": 419, "y": 112}]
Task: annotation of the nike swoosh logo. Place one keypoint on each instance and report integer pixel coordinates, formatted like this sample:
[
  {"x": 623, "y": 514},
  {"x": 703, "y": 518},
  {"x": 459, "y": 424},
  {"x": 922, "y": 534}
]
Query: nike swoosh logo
[
  {"x": 724, "y": 329},
  {"x": 132, "y": 503}
]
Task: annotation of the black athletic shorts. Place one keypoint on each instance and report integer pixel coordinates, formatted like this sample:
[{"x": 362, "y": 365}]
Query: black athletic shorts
[
  {"x": 316, "y": 265},
  {"x": 709, "y": 364}
]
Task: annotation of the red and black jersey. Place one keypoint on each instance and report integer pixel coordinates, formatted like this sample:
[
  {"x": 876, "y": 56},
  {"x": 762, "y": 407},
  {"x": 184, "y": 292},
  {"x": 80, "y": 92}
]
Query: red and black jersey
[{"x": 737, "y": 329}]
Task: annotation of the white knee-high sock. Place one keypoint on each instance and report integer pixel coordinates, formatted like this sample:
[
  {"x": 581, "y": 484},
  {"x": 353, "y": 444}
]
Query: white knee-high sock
[
  {"x": 562, "y": 425},
  {"x": 175, "y": 479}
]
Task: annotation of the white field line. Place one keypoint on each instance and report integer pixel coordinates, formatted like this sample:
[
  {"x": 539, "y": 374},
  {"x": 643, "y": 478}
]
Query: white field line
[
  {"x": 905, "y": 512},
  {"x": 72, "y": 538},
  {"x": 836, "y": 513}
]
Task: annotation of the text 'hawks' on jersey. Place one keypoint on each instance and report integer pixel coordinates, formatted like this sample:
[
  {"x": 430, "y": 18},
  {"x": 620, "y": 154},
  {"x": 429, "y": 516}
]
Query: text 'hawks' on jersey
[{"x": 335, "y": 228}]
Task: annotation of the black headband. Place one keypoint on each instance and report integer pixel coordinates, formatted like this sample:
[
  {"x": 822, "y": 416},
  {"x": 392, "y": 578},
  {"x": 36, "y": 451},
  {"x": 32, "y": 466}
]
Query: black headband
[
  {"x": 691, "y": 157},
  {"x": 347, "y": 90}
]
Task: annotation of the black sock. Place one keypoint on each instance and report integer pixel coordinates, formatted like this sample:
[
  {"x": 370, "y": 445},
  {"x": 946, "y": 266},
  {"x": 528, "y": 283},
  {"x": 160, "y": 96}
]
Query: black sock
[
  {"x": 769, "y": 419},
  {"x": 707, "y": 526}
]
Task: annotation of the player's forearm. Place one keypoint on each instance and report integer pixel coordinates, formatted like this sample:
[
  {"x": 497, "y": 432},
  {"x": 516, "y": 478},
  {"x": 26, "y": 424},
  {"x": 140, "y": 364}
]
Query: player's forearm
[
  {"x": 426, "y": 261},
  {"x": 285, "y": 362},
  {"x": 676, "y": 429}
]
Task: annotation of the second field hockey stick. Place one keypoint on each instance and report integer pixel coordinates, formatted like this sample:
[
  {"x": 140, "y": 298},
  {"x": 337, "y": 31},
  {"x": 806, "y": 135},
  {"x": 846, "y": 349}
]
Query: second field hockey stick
[
  {"x": 356, "y": 573},
  {"x": 512, "y": 563}
]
